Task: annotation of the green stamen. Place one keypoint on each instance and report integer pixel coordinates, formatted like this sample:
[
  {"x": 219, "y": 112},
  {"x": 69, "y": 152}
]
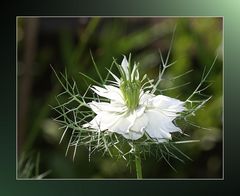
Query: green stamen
[
  {"x": 130, "y": 84},
  {"x": 131, "y": 93}
]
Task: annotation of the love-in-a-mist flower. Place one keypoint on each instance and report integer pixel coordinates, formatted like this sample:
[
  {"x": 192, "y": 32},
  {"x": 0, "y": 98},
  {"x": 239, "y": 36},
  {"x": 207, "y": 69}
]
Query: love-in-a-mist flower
[{"x": 131, "y": 110}]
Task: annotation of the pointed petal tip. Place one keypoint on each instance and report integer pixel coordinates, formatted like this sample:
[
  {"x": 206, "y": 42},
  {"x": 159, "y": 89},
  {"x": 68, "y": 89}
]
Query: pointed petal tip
[{"x": 125, "y": 65}]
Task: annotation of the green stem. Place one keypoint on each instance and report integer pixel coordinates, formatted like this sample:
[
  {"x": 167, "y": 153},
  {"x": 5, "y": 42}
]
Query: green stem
[{"x": 138, "y": 164}]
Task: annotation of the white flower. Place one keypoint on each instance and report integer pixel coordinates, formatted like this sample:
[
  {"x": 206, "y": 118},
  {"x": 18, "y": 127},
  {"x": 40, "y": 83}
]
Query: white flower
[{"x": 131, "y": 112}]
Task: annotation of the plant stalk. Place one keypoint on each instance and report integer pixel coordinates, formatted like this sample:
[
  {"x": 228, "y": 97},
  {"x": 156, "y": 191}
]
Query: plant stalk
[{"x": 138, "y": 164}]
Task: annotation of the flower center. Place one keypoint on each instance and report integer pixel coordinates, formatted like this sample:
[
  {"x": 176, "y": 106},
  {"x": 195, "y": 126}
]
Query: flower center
[{"x": 131, "y": 93}]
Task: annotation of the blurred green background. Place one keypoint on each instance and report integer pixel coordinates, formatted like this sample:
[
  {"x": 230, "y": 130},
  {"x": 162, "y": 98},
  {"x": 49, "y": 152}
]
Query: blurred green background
[{"x": 65, "y": 43}]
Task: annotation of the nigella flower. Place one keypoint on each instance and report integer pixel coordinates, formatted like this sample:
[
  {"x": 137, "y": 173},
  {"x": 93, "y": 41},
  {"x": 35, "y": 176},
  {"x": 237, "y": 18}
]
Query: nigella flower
[
  {"x": 128, "y": 107},
  {"x": 133, "y": 111}
]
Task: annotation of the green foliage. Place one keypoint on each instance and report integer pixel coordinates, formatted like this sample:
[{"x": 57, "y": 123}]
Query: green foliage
[{"x": 29, "y": 168}]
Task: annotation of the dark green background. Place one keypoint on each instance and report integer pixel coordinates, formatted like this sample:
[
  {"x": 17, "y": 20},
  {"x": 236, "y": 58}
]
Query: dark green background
[{"x": 228, "y": 9}]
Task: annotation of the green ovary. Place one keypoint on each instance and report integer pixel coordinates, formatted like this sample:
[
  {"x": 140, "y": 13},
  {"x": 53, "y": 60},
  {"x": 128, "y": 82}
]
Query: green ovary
[{"x": 131, "y": 93}]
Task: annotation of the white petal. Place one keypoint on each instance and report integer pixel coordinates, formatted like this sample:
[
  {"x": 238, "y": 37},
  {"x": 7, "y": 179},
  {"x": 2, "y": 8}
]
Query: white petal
[
  {"x": 135, "y": 124},
  {"x": 169, "y": 106},
  {"x": 115, "y": 93},
  {"x": 168, "y": 103},
  {"x": 133, "y": 135},
  {"x": 127, "y": 120},
  {"x": 98, "y": 107},
  {"x": 110, "y": 92},
  {"x": 103, "y": 121},
  {"x": 136, "y": 131},
  {"x": 145, "y": 98},
  {"x": 94, "y": 107},
  {"x": 139, "y": 124},
  {"x": 125, "y": 66},
  {"x": 123, "y": 124},
  {"x": 139, "y": 111},
  {"x": 160, "y": 126}
]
